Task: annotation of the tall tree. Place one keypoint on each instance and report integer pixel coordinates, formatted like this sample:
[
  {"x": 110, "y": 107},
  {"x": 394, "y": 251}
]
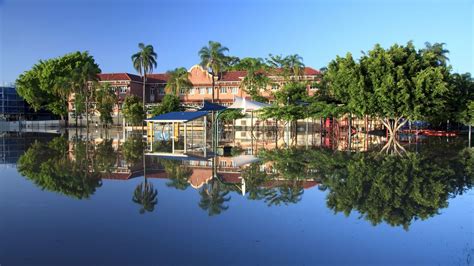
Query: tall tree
[
  {"x": 144, "y": 61},
  {"x": 133, "y": 110},
  {"x": 395, "y": 85},
  {"x": 85, "y": 79},
  {"x": 255, "y": 81},
  {"x": 49, "y": 83},
  {"x": 178, "y": 79},
  {"x": 105, "y": 99},
  {"x": 213, "y": 59}
]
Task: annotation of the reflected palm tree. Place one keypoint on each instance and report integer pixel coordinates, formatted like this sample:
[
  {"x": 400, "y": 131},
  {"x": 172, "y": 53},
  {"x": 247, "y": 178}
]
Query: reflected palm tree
[
  {"x": 213, "y": 198},
  {"x": 178, "y": 174},
  {"x": 145, "y": 195},
  {"x": 285, "y": 194}
]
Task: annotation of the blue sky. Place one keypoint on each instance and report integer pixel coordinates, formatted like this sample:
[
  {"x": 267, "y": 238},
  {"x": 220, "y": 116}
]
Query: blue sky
[{"x": 317, "y": 30}]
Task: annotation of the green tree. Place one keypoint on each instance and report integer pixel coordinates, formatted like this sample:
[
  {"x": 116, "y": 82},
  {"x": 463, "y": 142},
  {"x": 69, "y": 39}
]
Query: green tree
[
  {"x": 395, "y": 85},
  {"x": 255, "y": 81},
  {"x": 169, "y": 103},
  {"x": 49, "y": 83},
  {"x": 84, "y": 79},
  {"x": 132, "y": 149},
  {"x": 133, "y": 110},
  {"x": 213, "y": 59},
  {"x": 178, "y": 79},
  {"x": 106, "y": 99},
  {"x": 144, "y": 61},
  {"x": 105, "y": 157}
]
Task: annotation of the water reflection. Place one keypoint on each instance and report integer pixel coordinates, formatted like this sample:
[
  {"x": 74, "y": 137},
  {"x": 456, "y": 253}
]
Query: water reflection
[{"x": 378, "y": 187}]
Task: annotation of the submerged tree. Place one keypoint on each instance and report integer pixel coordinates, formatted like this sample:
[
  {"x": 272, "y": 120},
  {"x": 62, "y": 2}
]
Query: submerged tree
[
  {"x": 133, "y": 110},
  {"x": 395, "y": 85},
  {"x": 106, "y": 99},
  {"x": 49, "y": 83}
]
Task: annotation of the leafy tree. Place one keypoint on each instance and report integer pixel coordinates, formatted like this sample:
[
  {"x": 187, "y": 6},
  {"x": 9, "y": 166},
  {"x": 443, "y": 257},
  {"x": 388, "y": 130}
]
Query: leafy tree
[
  {"x": 49, "y": 166},
  {"x": 49, "y": 83},
  {"x": 214, "y": 59},
  {"x": 145, "y": 195},
  {"x": 170, "y": 103},
  {"x": 230, "y": 115},
  {"x": 439, "y": 53},
  {"x": 178, "y": 79},
  {"x": 84, "y": 79},
  {"x": 395, "y": 85},
  {"x": 105, "y": 99},
  {"x": 255, "y": 80},
  {"x": 133, "y": 110},
  {"x": 460, "y": 105},
  {"x": 144, "y": 61}
]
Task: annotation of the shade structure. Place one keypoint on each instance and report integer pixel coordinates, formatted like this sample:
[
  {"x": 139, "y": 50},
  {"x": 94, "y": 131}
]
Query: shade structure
[
  {"x": 177, "y": 117},
  {"x": 241, "y": 160},
  {"x": 208, "y": 106},
  {"x": 247, "y": 105}
]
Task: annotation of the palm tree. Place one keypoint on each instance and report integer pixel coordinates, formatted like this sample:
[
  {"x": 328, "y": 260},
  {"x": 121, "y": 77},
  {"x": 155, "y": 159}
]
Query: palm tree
[
  {"x": 255, "y": 80},
  {"x": 145, "y": 195},
  {"x": 178, "y": 79},
  {"x": 84, "y": 79},
  {"x": 439, "y": 51},
  {"x": 213, "y": 59},
  {"x": 144, "y": 61},
  {"x": 295, "y": 64}
]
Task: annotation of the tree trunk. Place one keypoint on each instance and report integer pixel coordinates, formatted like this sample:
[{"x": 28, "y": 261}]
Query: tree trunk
[
  {"x": 213, "y": 85},
  {"x": 470, "y": 130}
]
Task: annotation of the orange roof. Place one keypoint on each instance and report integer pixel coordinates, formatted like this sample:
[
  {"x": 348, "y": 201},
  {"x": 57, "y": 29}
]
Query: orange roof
[{"x": 118, "y": 76}]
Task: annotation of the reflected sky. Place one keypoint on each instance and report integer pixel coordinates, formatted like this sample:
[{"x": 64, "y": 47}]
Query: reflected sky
[{"x": 46, "y": 227}]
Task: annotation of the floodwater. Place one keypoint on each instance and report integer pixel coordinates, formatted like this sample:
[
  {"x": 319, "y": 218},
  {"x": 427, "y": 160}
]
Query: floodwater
[{"x": 67, "y": 201}]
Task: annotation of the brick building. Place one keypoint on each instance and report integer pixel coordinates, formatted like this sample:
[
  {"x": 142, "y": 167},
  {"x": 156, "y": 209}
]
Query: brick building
[{"x": 227, "y": 86}]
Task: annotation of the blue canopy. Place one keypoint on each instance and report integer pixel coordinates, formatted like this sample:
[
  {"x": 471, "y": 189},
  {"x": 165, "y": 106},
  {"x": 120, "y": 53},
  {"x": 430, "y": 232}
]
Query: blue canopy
[
  {"x": 207, "y": 106},
  {"x": 177, "y": 117}
]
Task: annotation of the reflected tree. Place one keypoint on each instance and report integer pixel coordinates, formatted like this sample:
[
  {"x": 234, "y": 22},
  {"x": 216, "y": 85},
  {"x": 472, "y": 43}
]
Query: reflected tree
[
  {"x": 105, "y": 157},
  {"x": 178, "y": 174},
  {"x": 213, "y": 198},
  {"x": 132, "y": 149},
  {"x": 396, "y": 189},
  {"x": 52, "y": 167},
  {"x": 145, "y": 195}
]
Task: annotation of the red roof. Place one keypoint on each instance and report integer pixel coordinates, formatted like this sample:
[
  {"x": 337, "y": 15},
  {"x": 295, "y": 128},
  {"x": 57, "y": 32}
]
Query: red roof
[
  {"x": 237, "y": 75},
  {"x": 233, "y": 75},
  {"x": 157, "y": 78},
  {"x": 153, "y": 78},
  {"x": 118, "y": 76}
]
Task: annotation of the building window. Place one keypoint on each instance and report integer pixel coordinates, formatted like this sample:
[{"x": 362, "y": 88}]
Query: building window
[
  {"x": 161, "y": 91},
  {"x": 182, "y": 91},
  {"x": 274, "y": 87},
  {"x": 191, "y": 91},
  {"x": 223, "y": 90},
  {"x": 202, "y": 91},
  {"x": 123, "y": 89},
  {"x": 209, "y": 90},
  {"x": 235, "y": 90},
  {"x": 223, "y": 163}
]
